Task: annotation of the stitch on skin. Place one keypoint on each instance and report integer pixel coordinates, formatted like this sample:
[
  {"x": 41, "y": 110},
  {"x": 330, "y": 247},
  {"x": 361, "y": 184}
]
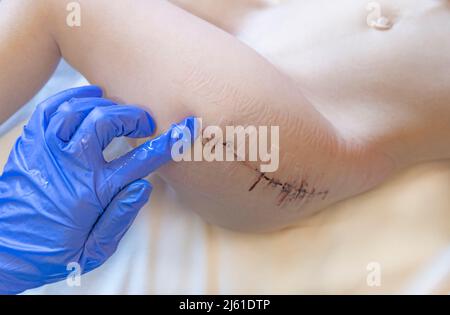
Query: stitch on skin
[
  {"x": 288, "y": 191},
  {"x": 285, "y": 191},
  {"x": 301, "y": 192},
  {"x": 311, "y": 194},
  {"x": 256, "y": 182}
]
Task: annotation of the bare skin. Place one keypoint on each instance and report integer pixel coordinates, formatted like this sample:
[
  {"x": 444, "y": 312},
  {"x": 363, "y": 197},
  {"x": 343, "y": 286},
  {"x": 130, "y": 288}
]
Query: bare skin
[
  {"x": 398, "y": 77},
  {"x": 342, "y": 130}
]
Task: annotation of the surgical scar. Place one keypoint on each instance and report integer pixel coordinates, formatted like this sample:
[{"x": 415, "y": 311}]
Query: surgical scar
[{"x": 288, "y": 192}]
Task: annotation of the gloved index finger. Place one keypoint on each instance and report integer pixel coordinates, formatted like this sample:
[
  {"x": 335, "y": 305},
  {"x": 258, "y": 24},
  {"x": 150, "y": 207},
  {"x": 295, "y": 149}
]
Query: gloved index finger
[{"x": 151, "y": 155}]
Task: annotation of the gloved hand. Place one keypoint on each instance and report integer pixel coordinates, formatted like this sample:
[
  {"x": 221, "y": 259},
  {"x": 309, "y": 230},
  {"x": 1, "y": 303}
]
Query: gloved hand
[{"x": 60, "y": 201}]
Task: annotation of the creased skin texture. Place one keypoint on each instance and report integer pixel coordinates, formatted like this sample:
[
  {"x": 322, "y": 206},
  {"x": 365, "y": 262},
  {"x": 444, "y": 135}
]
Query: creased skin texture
[
  {"x": 316, "y": 164},
  {"x": 190, "y": 67},
  {"x": 385, "y": 94}
]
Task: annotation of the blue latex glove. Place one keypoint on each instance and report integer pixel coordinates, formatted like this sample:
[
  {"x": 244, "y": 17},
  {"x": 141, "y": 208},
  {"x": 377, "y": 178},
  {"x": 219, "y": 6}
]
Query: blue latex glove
[{"x": 60, "y": 201}]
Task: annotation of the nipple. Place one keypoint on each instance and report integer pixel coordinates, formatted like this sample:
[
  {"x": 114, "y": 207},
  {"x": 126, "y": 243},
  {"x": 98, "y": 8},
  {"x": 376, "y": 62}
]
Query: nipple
[{"x": 375, "y": 19}]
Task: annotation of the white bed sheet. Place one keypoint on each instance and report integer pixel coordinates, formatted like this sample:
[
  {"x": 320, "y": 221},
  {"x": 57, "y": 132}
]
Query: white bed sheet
[{"x": 403, "y": 227}]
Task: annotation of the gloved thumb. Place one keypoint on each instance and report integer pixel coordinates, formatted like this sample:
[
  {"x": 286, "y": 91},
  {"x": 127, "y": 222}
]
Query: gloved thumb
[{"x": 113, "y": 224}]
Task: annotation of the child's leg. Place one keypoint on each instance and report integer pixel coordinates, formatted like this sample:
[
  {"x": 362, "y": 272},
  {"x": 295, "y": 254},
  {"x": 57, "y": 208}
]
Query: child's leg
[{"x": 156, "y": 55}]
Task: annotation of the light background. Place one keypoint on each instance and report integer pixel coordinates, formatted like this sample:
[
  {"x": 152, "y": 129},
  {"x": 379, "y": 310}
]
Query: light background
[{"x": 404, "y": 225}]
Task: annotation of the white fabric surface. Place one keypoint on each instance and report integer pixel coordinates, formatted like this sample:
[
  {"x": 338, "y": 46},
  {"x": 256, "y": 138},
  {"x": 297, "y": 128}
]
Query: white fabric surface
[{"x": 404, "y": 226}]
